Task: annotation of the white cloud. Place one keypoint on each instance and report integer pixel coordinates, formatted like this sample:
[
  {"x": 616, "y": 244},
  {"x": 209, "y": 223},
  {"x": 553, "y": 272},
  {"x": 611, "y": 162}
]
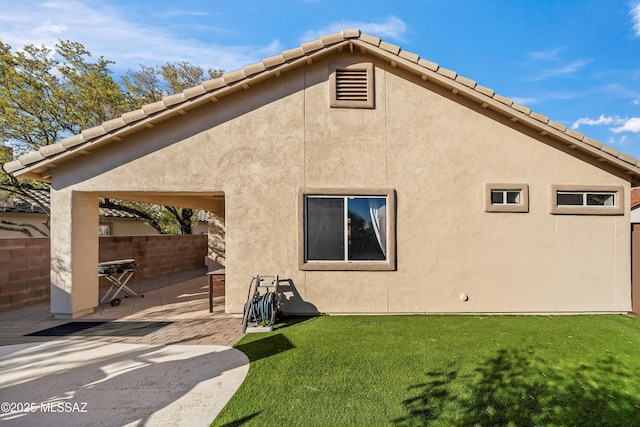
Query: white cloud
[
  {"x": 602, "y": 120},
  {"x": 630, "y": 125},
  {"x": 546, "y": 55},
  {"x": 622, "y": 124},
  {"x": 635, "y": 18},
  {"x": 391, "y": 28},
  {"x": 622, "y": 140},
  {"x": 568, "y": 69},
  {"x": 110, "y": 31}
]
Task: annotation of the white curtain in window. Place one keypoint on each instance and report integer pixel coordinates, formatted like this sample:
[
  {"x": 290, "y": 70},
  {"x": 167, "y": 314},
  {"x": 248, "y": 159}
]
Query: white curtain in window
[{"x": 378, "y": 211}]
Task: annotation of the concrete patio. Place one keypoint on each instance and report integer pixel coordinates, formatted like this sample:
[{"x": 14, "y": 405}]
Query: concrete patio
[{"x": 181, "y": 372}]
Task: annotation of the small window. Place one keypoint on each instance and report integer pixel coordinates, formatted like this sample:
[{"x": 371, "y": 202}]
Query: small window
[
  {"x": 353, "y": 231},
  {"x": 589, "y": 200},
  {"x": 506, "y": 197},
  {"x": 352, "y": 86}
]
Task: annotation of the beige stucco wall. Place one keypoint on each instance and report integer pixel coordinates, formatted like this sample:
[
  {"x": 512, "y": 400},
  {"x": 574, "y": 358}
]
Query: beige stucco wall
[
  {"x": 128, "y": 227},
  {"x": 260, "y": 146},
  {"x": 119, "y": 226},
  {"x": 38, "y": 220}
]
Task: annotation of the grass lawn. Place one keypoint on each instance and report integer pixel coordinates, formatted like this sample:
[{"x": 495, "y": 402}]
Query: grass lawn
[{"x": 441, "y": 371}]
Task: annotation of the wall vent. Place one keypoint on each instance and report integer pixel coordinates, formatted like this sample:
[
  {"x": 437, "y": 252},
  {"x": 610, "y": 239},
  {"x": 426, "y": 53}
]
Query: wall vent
[{"x": 352, "y": 86}]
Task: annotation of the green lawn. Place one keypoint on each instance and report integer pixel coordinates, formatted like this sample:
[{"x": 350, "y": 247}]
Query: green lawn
[{"x": 441, "y": 371}]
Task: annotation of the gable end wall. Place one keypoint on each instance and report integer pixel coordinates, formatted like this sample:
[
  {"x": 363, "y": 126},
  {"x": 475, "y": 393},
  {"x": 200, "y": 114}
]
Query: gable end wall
[{"x": 261, "y": 146}]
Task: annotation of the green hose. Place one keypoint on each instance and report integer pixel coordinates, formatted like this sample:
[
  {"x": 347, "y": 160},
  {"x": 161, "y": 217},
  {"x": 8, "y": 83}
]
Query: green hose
[{"x": 263, "y": 308}]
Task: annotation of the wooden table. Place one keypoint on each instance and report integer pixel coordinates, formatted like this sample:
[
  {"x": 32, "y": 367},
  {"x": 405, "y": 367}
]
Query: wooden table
[{"x": 214, "y": 276}]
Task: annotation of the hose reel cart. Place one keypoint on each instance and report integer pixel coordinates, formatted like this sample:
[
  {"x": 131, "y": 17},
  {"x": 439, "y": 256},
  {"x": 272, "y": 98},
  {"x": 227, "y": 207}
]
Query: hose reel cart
[{"x": 263, "y": 304}]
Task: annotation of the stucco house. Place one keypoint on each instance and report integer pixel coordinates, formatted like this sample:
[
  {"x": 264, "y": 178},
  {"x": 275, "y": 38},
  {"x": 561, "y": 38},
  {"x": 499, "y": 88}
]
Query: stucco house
[{"x": 374, "y": 180}]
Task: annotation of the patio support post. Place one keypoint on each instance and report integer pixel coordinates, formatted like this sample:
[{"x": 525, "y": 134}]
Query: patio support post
[{"x": 74, "y": 253}]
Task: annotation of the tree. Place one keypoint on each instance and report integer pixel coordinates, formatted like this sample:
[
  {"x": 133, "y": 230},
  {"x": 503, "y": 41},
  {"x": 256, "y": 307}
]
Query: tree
[
  {"x": 151, "y": 84},
  {"x": 44, "y": 99},
  {"x": 47, "y": 95}
]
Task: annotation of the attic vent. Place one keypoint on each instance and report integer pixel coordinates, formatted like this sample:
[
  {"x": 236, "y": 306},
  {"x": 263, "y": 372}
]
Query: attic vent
[{"x": 352, "y": 87}]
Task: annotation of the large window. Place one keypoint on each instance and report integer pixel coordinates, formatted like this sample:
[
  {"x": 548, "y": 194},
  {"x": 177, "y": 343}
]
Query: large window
[
  {"x": 586, "y": 200},
  {"x": 351, "y": 231}
]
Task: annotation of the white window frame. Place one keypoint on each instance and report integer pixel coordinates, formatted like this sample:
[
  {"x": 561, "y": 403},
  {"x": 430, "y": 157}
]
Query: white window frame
[
  {"x": 617, "y": 191},
  {"x": 346, "y": 264},
  {"x": 521, "y": 207}
]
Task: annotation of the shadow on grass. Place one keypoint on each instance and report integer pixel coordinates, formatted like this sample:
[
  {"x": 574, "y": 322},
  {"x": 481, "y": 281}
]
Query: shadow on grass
[
  {"x": 242, "y": 421},
  {"x": 288, "y": 321},
  {"x": 517, "y": 387},
  {"x": 260, "y": 345},
  {"x": 265, "y": 346}
]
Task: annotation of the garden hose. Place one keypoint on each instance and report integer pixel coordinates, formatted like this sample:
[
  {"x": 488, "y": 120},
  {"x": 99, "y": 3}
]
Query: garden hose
[{"x": 263, "y": 308}]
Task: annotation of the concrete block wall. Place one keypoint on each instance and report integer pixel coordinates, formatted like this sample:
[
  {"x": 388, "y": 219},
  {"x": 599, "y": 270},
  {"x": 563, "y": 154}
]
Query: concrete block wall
[
  {"x": 24, "y": 271},
  {"x": 25, "y": 263},
  {"x": 156, "y": 255}
]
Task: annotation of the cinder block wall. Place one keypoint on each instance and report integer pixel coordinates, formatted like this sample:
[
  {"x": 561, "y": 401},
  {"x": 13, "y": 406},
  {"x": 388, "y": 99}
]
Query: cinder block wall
[
  {"x": 25, "y": 262},
  {"x": 156, "y": 255},
  {"x": 24, "y": 271}
]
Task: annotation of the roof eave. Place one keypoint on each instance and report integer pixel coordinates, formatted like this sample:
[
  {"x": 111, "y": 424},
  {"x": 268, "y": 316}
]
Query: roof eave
[
  {"x": 44, "y": 160},
  {"x": 41, "y": 170}
]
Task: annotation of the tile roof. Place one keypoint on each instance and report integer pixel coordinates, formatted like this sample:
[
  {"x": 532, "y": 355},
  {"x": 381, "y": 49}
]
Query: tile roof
[
  {"x": 37, "y": 164},
  {"x": 17, "y": 204}
]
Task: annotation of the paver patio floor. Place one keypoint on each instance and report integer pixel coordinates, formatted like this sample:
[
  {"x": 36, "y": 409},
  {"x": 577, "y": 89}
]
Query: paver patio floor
[{"x": 181, "y": 299}]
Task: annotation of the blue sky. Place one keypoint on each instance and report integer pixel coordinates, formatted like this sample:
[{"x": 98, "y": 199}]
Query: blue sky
[{"x": 577, "y": 62}]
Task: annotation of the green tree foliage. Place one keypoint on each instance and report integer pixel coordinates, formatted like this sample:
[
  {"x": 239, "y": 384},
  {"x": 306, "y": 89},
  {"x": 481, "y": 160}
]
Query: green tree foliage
[
  {"x": 49, "y": 94},
  {"x": 151, "y": 84}
]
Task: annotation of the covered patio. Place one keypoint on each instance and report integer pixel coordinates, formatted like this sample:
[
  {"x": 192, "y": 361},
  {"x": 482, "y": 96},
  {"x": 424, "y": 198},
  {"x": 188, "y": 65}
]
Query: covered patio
[{"x": 176, "y": 305}]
